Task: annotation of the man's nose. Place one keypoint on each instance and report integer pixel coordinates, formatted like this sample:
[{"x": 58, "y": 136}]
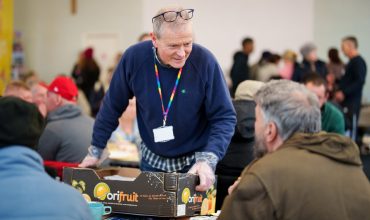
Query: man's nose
[{"x": 181, "y": 51}]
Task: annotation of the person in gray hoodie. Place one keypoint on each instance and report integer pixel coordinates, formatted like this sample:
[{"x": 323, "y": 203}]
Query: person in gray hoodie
[
  {"x": 68, "y": 131},
  {"x": 27, "y": 191}
]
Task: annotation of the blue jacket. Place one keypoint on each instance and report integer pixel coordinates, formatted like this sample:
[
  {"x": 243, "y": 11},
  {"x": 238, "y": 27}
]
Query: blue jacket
[
  {"x": 27, "y": 192},
  {"x": 201, "y": 114}
]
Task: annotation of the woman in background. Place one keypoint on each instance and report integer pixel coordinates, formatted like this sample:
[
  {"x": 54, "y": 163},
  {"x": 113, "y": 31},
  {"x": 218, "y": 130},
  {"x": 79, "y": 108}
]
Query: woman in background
[
  {"x": 86, "y": 72},
  {"x": 335, "y": 68}
]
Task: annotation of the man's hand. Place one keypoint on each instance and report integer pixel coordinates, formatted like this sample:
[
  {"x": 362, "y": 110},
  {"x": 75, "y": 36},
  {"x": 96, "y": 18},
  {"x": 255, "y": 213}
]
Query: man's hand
[
  {"x": 89, "y": 161},
  {"x": 232, "y": 187},
  {"x": 92, "y": 158},
  {"x": 206, "y": 175}
]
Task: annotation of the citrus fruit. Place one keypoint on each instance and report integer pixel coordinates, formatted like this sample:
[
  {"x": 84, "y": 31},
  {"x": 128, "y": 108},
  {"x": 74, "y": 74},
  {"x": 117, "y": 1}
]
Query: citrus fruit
[
  {"x": 204, "y": 208},
  {"x": 185, "y": 195},
  {"x": 86, "y": 197},
  {"x": 101, "y": 190}
]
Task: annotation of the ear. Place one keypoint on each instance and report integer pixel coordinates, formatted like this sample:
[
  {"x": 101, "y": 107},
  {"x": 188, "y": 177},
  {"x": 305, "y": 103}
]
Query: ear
[
  {"x": 59, "y": 100},
  {"x": 271, "y": 132},
  {"x": 154, "y": 39}
]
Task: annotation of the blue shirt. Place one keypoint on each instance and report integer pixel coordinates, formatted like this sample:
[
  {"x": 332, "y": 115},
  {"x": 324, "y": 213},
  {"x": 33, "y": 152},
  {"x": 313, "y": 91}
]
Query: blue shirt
[
  {"x": 201, "y": 114},
  {"x": 30, "y": 193}
]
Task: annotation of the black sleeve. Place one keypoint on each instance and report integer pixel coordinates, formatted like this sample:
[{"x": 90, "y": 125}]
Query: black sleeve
[
  {"x": 358, "y": 72},
  {"x": 239, "y": 70}
]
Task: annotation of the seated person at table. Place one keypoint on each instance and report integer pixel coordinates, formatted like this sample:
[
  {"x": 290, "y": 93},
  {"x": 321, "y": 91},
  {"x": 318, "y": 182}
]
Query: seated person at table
[
  {"x": 127, "y": 130},
  {"x": 124, "y": 142},
  {"x": 301, "y": 173},
  {"x": 39, "y": 94},
  {"x": 68, "y": 131},
  {"x": 28, "y": 192},
  {"x": 240, "y": 151},
  {"x": 18, "y": 89},
  {"x": 332, "y": 119}
]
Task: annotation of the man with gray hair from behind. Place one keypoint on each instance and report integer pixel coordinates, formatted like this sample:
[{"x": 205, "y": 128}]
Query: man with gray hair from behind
[{"x": 301, "y": 173}]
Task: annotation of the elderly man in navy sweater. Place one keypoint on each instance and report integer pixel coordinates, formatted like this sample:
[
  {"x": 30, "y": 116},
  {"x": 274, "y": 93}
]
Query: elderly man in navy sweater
[{"x": 185, "y": 115}]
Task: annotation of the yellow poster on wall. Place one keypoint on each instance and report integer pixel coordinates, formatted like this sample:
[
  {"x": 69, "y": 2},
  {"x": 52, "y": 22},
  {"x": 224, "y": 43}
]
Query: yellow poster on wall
[{"x": 6, "y": 41}]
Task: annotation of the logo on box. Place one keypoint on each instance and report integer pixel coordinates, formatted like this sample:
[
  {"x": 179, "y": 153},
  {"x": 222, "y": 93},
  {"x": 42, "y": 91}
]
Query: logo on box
[{"x": 102, "y": 192}]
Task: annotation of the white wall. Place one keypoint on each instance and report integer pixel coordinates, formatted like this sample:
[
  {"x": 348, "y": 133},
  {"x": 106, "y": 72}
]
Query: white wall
[
  {"x": 335, "y": 19},
  {"x": 221, "y": 25},
  {"x": 52, "y": 36}
]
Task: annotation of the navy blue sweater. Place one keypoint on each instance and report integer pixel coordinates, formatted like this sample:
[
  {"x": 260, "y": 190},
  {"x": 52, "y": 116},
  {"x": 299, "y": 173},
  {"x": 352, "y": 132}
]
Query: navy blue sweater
[{"x": 201, "y": 114}]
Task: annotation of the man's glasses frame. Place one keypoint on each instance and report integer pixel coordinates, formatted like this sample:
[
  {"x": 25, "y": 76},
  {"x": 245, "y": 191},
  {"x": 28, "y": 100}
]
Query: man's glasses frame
[{"x": 168, "y": 16}]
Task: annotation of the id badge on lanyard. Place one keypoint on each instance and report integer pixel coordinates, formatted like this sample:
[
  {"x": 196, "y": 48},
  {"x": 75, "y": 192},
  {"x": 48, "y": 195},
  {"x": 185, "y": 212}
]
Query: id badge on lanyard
[{"x": 165, "y": 133}]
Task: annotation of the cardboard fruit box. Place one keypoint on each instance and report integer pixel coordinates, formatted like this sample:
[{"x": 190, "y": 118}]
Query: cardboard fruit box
[{"x": 130, "y": 191}]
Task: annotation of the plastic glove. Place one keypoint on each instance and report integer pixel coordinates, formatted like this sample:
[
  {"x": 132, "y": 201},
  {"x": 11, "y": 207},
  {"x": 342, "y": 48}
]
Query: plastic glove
[
  {"x": 89, "y": 161},
  {"x": 206, "y": 175},
  {"x": 92, "y": 158}
]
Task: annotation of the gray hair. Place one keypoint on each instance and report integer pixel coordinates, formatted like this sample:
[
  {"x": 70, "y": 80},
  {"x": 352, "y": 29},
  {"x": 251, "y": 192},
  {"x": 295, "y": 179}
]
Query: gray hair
[
  {"x": 158, "y": 22},
  {"x": 290, "y": 106},
  {"x": 307, "y": 48}
]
